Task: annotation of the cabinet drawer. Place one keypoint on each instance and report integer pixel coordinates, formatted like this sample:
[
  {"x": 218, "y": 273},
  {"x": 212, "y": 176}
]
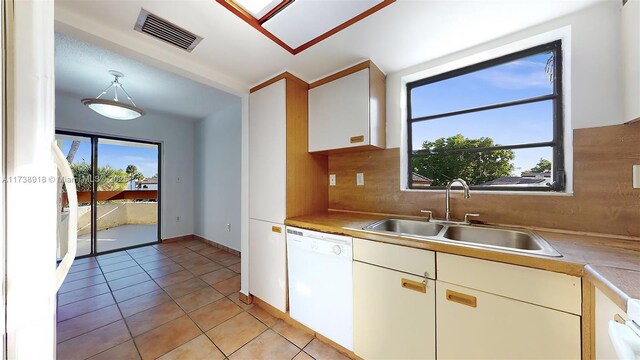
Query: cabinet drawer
[
  {"x": 401, "y": 258},
  {"x": 545, "y": 288}
]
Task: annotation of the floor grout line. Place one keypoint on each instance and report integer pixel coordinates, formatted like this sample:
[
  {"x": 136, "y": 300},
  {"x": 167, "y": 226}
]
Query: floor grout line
[
  {"x": 123, "y": 320},
  {"x": 171, "y": 298}
]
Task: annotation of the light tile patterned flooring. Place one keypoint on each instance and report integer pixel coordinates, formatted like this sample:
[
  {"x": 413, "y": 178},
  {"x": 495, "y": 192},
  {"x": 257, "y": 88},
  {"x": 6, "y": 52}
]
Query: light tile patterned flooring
[{"x": 170, "y": 301}]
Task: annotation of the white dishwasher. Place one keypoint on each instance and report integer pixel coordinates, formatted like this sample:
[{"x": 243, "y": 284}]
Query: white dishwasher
[{"x": 320, "y": 283}]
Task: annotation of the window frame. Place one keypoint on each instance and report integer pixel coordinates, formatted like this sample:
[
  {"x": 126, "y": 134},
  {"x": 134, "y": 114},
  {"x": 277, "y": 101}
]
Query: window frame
[{"x": 557, "y": 143}]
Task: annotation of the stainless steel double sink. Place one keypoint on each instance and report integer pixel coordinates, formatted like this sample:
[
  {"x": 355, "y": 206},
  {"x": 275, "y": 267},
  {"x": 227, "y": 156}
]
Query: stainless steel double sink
[{"x": 493, "y": 238}]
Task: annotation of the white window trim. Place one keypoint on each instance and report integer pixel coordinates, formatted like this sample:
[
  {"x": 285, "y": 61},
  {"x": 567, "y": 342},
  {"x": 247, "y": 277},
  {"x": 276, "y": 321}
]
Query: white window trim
[{"x": 429, "y": 70}]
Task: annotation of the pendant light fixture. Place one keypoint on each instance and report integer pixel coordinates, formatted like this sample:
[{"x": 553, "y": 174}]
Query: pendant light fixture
[{"x": 114, "y": 109}]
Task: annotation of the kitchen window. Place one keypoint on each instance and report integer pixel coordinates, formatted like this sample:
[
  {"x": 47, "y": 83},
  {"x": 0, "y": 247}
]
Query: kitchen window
[{"x": 497, "y": 124}]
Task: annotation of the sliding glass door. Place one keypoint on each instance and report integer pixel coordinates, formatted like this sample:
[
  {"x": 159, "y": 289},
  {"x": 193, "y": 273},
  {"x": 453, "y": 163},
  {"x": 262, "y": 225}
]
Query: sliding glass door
[
  {"x": 78, "y": 150},
  {"x": 118, "y": 189}
]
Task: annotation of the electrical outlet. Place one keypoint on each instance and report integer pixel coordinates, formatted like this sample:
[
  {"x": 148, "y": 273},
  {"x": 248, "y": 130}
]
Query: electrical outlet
[
  {"x": 228, "y": 227},
  {"x": 636, "y": 176},
  {"x": 360, "y": 179},
  {"x": 332, "y": 179},
  {"x": 177, "y": 218}
]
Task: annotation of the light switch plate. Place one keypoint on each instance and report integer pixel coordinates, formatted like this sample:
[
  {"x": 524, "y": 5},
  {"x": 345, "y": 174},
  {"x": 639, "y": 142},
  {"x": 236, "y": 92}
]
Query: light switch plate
[
  {"x": 636, "y": 176},
  {"x": 360, "y": 179},
  {"x": 332, "y": 179}
]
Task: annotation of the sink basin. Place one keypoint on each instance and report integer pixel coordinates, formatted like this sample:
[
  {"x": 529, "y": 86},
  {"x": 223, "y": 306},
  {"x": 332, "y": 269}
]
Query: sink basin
[
  {"x": 494, "y": 237},
  {"x": 404, "y": 226},
  {"x": 498, "y": 239},
  {"x": 515, "y": 240}
]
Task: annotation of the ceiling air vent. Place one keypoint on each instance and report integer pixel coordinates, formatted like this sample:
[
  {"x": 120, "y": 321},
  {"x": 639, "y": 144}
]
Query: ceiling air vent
[{"x": 160, "y": 28}]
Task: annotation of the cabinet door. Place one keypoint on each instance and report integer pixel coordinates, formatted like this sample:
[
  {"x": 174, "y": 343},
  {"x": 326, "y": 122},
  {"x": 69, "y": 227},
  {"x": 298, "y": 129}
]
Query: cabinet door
[
  {"x": 478, "y": 325},
  {"x": 606, "y": 310},
  {"x": 338, "y": 112},
  {"x": 267, "y": 153},
  {"x": 392, "y": 321},
  {"x": 268, "y": 263}
]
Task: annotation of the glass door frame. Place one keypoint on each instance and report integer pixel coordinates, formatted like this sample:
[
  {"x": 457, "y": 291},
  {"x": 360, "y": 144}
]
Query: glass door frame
[{"x": 94, "y": 137}]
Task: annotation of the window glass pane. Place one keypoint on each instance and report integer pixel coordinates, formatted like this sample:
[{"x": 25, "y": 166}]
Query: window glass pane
[
  {"x": 520, "y": 79},
  {"x": 520, "y": 124},
  {"x": 77, "y": 150},
  {"x": 127, "y": 206},
  {"x": 516, "y": 168}
]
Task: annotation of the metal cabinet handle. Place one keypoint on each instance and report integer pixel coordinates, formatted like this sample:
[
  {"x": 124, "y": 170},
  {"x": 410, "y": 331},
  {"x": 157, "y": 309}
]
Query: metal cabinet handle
[
  {"x": 461, "y": 298},
  {"x": 413, "y": 285},
  {"x": 276, "y": 229},
  {"x": 72, "y": 245}
]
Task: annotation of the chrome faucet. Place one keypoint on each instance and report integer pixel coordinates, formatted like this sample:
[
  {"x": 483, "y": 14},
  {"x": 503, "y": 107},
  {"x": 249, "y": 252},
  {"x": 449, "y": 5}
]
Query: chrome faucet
[
  {"x": 447, "y": 213},
  {"x": 447, "y": 208}
]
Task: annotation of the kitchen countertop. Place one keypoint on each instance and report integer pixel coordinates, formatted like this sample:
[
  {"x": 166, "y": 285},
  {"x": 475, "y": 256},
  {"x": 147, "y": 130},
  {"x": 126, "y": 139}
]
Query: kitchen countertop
[{"x": 612, "y": 264}]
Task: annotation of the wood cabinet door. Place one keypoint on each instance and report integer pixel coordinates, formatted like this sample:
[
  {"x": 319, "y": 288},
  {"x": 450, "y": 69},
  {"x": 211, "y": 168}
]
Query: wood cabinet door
[
  {"x": 268, "y": 263},
  {"x": 268, "y": 153},
  {"x": 393, "y": 318},
  {"x": 477, "y": 325},
  {"x": 339, "y": 113}
]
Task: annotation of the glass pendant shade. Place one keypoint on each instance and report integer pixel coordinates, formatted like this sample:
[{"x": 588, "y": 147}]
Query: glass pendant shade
[{"x": 114, "y": 109}]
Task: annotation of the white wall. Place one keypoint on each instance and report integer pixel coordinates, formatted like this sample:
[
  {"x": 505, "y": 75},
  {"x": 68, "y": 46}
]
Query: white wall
[
  {"x": 631, "y": 58},
  {"x": 177, "y": 138},
  {"x": 595, "y": 65},
  {"x": 218, "y": 156}
]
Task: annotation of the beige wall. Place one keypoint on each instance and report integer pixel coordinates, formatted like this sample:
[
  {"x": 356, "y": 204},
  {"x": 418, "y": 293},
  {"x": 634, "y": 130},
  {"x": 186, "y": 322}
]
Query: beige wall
[{"x": 116, "y": 214}]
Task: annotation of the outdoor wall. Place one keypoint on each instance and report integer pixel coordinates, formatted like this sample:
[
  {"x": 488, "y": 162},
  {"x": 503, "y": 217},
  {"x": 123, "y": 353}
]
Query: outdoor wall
[
  {"x": 217, "y": 175},
  {"x": 595, "y": 94},
  {"x": 177, "y": 138},
  {"x": 117, "y": 214}
]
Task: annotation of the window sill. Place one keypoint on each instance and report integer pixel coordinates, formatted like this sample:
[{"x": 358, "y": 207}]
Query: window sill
[{"x": 502, "y": 192}]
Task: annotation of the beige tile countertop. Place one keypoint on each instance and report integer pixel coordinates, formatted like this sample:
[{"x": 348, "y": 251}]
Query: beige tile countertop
[{"x": 612, "y": 264}]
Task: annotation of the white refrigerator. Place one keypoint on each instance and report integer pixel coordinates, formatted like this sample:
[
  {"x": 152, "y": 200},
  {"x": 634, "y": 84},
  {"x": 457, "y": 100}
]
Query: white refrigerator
[{"x": 29, "y": 210}]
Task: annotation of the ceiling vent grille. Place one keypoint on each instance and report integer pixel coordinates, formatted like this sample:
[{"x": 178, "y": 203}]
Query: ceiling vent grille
[{"x": 160, "y": 28}]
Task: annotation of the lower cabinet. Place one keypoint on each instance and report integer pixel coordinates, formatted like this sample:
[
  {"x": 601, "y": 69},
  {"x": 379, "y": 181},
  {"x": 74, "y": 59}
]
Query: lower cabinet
[
  {"x": 394, "y": 314},
  {"x": 268, "y": 263},
  {"x": 478, "y": 325}
]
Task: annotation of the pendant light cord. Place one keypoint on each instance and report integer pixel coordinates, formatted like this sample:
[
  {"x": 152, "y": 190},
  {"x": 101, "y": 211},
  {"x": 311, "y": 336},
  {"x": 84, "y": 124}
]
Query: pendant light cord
[{"x": 116, "y": 84}]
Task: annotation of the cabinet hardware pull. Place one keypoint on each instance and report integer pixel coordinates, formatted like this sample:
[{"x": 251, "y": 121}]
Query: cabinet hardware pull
[
  {"x": 276, "y": 229},
  {"x": 461, "y": 298},
  {"x": 357, "y": 139},
  {"x": 619, "y": 319},
  {"x": 413, "y": 285}
]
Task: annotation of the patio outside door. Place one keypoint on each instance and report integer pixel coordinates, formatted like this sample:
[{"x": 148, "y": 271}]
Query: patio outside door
[{"x": 118, "y": 191}]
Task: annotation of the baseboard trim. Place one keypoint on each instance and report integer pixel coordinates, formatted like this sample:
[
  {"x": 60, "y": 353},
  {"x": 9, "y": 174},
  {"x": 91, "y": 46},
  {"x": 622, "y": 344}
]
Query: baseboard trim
[
  {"x": 177, "y": 238},
  {"x": 216, "y": 245},
  {"x": 284, "y": 316},
  {"x": 202, "y": 240},
  {"x": 246, "y": 299}
]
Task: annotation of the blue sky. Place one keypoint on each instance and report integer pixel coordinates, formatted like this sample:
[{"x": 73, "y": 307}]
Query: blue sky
[
  {"x": 515, "y": 80},
  {"x": 118, "y": 156}
]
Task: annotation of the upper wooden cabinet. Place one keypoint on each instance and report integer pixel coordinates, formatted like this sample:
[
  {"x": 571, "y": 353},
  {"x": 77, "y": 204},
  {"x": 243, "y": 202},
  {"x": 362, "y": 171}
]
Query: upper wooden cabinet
[
  {"x": 267, "y": 152},
  {"x": 284, "y": 179},
  {"x": 347, "y": 110}
]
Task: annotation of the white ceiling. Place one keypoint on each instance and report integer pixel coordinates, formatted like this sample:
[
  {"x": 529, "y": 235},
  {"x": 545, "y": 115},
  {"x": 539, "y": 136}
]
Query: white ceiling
[
  {"x": 82, "y": 71},
  {"x": 235, "y": 56}
]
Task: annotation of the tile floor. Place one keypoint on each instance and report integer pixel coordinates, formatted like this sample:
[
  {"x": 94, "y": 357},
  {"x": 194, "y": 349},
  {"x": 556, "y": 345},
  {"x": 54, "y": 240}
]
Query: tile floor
[{"x": 170, "y": 301}]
